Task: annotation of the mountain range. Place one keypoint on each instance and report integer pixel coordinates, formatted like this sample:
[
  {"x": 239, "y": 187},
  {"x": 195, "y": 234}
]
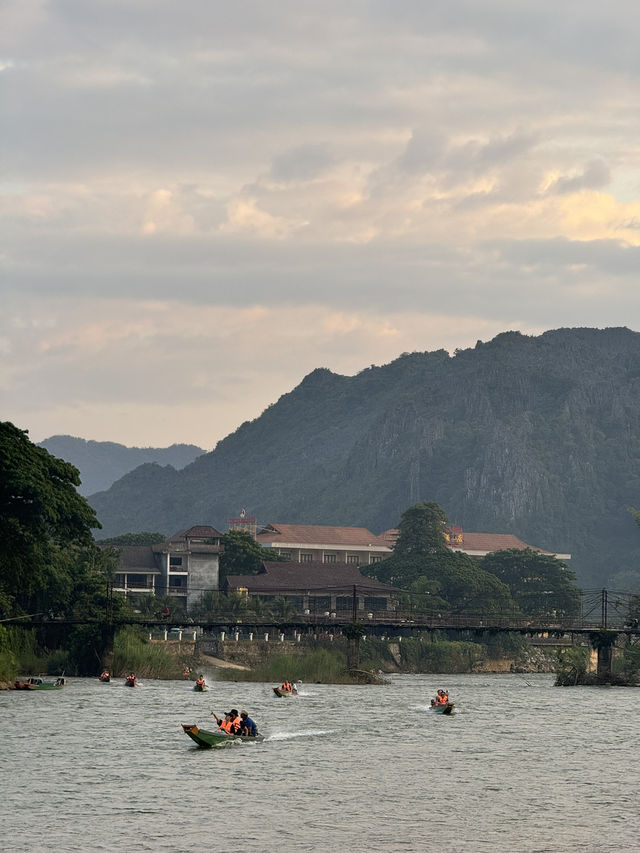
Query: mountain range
[
  {"x": 101, "y": 463},
  {"x": 538, "y": 436}
]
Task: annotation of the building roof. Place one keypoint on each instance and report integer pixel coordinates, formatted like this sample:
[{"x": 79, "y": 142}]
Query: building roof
[
  {"x": 281, "y": 535},
  {"x": 198, "y": 531},
  {"x": 494, "y": 542},
  {"x": 137, "y": 558},
  {"x": 482, "y": 543},
  {"x": 313, "y": 576}
]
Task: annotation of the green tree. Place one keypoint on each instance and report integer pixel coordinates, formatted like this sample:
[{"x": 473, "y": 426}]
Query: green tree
[
  {"x": 539, "y": 583},
  {"x": 421, "y": 538},
  {"x": 142, "y": 538},
  {"x": 41, "y": 515},
  {"x": 437, "y": 577},
  {"x": 242, "y": 555}
]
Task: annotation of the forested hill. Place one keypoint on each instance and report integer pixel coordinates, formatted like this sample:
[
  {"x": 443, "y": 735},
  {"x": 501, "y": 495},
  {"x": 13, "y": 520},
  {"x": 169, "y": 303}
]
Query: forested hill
[
  {"x": 536, "y": 436},
  {"x": 101, "y": 463}
]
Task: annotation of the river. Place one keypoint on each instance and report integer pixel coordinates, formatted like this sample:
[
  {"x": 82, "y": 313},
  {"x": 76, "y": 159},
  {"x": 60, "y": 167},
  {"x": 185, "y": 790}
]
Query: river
[{"x": 520, "y": 767}]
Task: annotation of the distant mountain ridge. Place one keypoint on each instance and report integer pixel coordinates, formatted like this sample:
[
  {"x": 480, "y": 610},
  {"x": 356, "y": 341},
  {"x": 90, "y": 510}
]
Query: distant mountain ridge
[
  {"x": 535, "y": 436},
  {"x": 101, "y": 463}
]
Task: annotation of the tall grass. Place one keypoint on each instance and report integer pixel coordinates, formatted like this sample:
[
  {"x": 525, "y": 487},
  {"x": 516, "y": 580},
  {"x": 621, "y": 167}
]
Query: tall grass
[
  {"x": 132, "y": 652},
  {"x": 319, "y": 666},
  {"x": 21, "y": 646},
  {"x": 439, "y": 656}
]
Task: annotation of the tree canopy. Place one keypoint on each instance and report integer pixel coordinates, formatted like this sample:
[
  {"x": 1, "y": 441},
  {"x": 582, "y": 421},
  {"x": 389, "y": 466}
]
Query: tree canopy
[
  {"x": 242, "y": 555},
  {"x": 539, "y": 583},
  {"x": 436, "y": 577},
  {"x": 41, "y": 515},
  {"x": 142, "y": 538}
]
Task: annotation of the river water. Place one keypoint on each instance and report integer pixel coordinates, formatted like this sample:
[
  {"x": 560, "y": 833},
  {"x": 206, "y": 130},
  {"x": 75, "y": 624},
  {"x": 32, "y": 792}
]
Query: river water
[{"x": 520, "y": 767}]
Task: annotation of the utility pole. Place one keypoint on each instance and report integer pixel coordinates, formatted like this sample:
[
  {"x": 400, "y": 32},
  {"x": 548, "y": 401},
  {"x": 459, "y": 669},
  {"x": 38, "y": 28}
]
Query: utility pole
[
  {"x": 354, "y": 605},
  {"x": 604, "y": 608}
]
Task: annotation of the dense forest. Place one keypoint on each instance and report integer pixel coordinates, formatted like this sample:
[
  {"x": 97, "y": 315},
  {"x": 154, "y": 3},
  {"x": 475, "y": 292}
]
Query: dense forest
[{"x": 536, "y": 436}]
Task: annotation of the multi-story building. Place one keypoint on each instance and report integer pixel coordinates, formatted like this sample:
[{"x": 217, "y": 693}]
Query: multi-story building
[
  {"x": 185, "y": 566},
  {"x": 478, "y": 544},
  {"x": 313, "y": 543}
]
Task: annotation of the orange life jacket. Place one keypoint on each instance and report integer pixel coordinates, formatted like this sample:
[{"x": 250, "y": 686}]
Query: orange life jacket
[
  {"x": 225, "y": 725},
  {"x": 235, "y": 726}
]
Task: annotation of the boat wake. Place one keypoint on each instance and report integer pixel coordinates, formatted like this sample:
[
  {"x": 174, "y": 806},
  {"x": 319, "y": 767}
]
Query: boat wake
[{"x": 302, "y": 733}]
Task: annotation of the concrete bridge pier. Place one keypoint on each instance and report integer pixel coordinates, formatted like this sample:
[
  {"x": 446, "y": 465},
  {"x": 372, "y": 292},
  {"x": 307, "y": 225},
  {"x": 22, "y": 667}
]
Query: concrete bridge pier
[{"x": 605, "y": 654}]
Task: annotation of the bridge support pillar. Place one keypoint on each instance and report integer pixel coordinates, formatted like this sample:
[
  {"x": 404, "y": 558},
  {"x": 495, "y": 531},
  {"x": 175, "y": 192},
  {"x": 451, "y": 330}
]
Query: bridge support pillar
[{"x": 604, "y": 663}]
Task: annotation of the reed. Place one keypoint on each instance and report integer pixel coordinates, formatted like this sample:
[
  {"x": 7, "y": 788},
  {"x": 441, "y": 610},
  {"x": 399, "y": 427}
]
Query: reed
[
  {"x": 132, "y": 652},
  {"x": 320, "y": 666}
]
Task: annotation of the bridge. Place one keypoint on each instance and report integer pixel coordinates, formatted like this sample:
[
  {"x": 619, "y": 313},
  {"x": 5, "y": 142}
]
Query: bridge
[{"x": 603, "y": 618}]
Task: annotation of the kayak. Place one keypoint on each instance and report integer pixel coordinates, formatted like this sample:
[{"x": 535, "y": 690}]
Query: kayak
[
  {"x": 284, "y": 693},
  {"x": 207, "y": 739}
]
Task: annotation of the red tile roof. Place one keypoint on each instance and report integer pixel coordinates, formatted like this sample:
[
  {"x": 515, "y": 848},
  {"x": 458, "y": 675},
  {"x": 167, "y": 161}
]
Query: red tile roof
[
  {"x": 495, "y": 542},
  {"x": 290, "y": 577},
  {"x": 316, "y": 534},
  {"x": 198, "y": 531},
  {"x": 485, "y": 542}
]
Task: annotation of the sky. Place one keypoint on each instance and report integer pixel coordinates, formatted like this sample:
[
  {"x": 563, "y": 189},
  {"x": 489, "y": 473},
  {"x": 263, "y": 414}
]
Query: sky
[{"x": 202, "y": 201}]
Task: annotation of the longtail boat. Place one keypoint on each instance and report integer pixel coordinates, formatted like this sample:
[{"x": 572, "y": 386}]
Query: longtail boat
[
  {"x": 284, "y": 693},
  {"x": 446, "y": 708},
  {"x": 207, "y": 739},
  {"x": 39, "y": 684}
]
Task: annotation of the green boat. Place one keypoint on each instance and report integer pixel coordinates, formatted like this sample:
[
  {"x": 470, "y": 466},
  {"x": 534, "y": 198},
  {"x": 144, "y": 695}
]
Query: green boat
[
  {"x": 207, "y": 739},
  {"x": 39, "y": 684}
]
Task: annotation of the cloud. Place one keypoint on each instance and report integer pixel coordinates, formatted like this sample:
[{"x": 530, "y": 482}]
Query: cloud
[
  {"x": 595, "y": 175},
  {"x": 251, "y": 190}
]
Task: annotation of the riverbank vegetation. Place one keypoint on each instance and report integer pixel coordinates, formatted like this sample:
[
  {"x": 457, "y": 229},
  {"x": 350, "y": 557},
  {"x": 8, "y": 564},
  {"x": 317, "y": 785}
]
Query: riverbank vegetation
[{"x": 133, "y": 652}]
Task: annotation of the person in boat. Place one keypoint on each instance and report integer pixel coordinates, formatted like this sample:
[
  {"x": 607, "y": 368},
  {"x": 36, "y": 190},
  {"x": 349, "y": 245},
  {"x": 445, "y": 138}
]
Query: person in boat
[
  {"x": 200, "y": 681},
  {"x": 224, "y": 724},
  {"x": 248, "y": 727},
  {"x": 286, "y": 686},
  {"x": 186, "y": 672},
  {"x": 236, "y": 722}
]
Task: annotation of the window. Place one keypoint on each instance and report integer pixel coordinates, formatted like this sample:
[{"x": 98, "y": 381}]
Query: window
[
  {"x": 319, "y": 603},
  {"x": 175, "y": 561},
  {"x": 285, "y": 552},
  {"x": 375, "y": 603},
  {"x": 139, "y": 581},
  {"x": 306, "y": 558},
  {"x": 344, "y": 602},
  {"x": 375, "y": 559},
  {"x": 329, "y": 558},
  {"x": 353, "y": 559},
  {"x": 178, "y": 583}
]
